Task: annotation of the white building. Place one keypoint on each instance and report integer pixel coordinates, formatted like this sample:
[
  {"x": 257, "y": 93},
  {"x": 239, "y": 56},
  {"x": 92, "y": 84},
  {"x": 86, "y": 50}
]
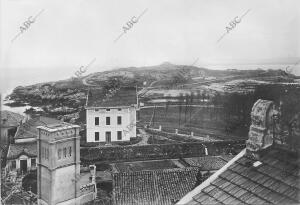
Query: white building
[{"x": 111, "y": 117}]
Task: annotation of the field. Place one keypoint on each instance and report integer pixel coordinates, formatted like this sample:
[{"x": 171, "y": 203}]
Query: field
[
  {"x": 145, "y": 165},
  {"x": 203, "y": 121}
]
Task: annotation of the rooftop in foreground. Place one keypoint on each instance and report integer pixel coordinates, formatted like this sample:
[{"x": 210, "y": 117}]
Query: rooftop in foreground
[
  {"x": 266, "y": 172},
  {"x": 246, "y": 181},
  {"x": 162, "y": 187}
]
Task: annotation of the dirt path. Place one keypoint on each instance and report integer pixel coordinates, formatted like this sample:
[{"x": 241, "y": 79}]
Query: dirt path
[
  {"x": 84, "y": 81},
  {"x": 144, "y": 140}
]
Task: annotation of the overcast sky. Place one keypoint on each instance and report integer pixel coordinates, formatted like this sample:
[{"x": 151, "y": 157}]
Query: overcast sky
[{"x": 69, "y": 34}]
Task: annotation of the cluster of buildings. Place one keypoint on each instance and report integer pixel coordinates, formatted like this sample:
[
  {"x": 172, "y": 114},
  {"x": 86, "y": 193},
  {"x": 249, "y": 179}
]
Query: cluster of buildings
[
  {"x": 52, "y": 147},
  {"x": 107, "y": 121},
  {"x": 264, "y": 172}
]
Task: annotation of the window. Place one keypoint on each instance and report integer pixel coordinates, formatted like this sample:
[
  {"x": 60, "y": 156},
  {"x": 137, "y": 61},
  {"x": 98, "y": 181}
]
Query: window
[
  {"x": 33, "y": 162},
  {"x": 119, "y": 135},
  {"x": 119, "y": 120},
  {"x": 96, "y": 136},
  {"x": 107, "y": 109},
  {"x": 13, "y": 164},
  {"x": 107, "y": 120},
  {"x": 96, "y": 120},
  {"x": 44, "y": 152},
  {"x": 70, "y": 151},
  {"x": 59, "y": 153},
  {"x": 65, "y": 152},
  {"x": 47, "y": 153}
]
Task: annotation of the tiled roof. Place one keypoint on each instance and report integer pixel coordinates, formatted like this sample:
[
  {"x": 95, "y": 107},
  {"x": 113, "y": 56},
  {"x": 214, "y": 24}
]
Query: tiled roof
[
  {"x": 274, "y": 181},
  {"x": 15, "y": 150},
  {"x": 29, "y": 128},
  {"x": 125, "y": 96},
  {"x": 208, "y": 162},
  {"x": 162, "y": 187},
  {"x": 10, "y": 119}
]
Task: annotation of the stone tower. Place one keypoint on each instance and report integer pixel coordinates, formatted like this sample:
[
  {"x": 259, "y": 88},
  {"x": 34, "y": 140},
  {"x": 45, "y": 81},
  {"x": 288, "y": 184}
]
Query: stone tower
[{"x": 58, "y": 163}]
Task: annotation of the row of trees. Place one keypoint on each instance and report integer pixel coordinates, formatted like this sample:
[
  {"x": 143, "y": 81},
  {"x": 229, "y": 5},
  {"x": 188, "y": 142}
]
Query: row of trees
[{"x": 238, "y": 106}]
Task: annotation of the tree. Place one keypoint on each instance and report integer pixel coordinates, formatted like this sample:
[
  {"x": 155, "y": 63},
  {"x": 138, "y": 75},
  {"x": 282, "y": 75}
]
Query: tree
[{"x": 112, "y": 83}]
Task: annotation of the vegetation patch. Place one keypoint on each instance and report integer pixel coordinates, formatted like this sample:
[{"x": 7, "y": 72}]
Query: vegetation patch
[{"x": 159, "y": 151}]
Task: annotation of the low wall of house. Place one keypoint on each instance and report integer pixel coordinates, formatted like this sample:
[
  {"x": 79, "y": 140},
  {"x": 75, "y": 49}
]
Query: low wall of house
[
  {"x": 159, "y": 151},
  {"x": 176, "y": 136}
]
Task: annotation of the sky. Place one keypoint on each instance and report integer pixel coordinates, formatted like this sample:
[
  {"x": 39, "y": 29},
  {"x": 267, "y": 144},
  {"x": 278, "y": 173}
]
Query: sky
[{"x": 71, "y": 33}]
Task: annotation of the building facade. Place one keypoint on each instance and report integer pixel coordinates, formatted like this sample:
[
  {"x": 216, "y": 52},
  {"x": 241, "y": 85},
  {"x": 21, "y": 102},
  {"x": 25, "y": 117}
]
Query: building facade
[
  {"x": 111, "y": 117},
  {"x": 111, "y": 124},
  {"x": 21, "y": 158}
]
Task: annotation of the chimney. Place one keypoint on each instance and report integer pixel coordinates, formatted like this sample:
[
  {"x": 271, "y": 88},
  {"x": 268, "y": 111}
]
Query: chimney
[
  {"x": 261, "y": 133},
  {"x": 93, "y": 172}
]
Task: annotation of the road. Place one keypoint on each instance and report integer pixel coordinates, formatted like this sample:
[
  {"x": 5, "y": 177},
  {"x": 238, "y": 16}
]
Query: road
[{"x": 84, "y": 79}]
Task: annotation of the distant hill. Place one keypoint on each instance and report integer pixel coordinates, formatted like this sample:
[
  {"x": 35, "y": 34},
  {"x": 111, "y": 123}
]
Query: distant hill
[
  {"x": 166, "y": 72},
  {"x": 72, "y": 92}
]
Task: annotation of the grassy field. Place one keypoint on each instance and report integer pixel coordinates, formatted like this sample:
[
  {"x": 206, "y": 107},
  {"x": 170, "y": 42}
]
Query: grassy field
[{"x": 201, "y": 121}]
